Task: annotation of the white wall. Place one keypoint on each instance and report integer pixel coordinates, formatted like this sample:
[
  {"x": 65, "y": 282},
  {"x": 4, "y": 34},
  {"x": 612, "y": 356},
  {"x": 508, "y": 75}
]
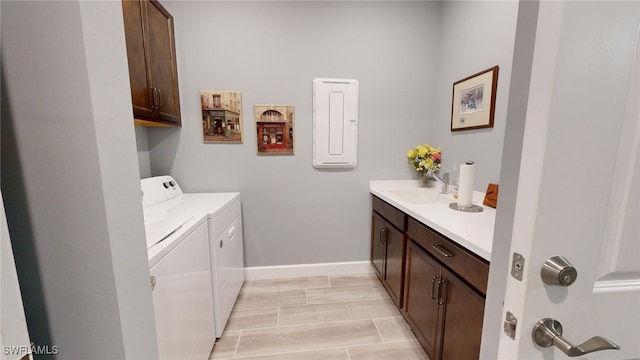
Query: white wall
[
  {"x": 475, "y": 36},
  {"x": 406, "y": 56},
  {"x": 271, "y": 51},
  {"x": 71, "y": 182}
]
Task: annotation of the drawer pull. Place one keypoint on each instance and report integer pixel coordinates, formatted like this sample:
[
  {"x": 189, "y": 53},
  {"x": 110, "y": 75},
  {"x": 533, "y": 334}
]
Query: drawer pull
[{"x": 442, "y": 252}]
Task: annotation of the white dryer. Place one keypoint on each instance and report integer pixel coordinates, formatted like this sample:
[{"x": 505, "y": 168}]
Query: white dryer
[{"x": 163, "y": 197}]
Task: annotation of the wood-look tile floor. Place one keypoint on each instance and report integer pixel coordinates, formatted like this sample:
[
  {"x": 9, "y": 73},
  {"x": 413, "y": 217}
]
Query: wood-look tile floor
[{"x": 346, "y": 317}]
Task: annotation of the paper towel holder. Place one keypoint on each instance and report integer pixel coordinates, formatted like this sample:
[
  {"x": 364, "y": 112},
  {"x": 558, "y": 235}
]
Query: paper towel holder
[{"x": 473, "y": 208}]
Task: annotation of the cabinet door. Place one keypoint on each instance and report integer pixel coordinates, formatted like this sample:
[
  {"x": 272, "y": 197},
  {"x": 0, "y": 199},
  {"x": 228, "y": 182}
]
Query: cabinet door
[
  {"x": 378, "y": 224},
  {"x": 420, "y": 307},
  {"x": 394, "y": 263},
  {"x": 162, "y": 62},
  {"x": 462, "y": 321},
  {"x": 139, "y": 76}
]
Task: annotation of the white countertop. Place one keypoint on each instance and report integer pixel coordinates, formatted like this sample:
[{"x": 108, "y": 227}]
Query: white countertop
[{"x": 474, "y": 231}]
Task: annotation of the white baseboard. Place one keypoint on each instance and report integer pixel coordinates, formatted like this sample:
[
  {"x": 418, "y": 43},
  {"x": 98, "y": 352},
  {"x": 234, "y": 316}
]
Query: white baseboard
[{"x": 292, "y": 271}]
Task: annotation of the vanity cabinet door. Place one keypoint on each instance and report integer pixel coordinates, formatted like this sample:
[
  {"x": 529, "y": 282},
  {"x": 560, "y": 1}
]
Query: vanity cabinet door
[
  {"x": 462, "y": 319},
  {"x": 394, "y": 273},
  {"x": 378, "y": 248},
  {"x": 387, "y": 256},
  {"x": 421, "y": 309}
]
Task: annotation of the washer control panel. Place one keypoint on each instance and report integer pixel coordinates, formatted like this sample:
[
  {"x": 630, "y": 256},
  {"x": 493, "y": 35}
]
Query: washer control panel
[{"x": 157, "y": 189}]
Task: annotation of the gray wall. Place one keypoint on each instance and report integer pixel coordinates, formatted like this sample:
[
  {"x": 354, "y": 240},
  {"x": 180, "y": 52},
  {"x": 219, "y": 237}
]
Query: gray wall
[
  {"x": 271, "y": 51},
  {"x": 142, "y": 146},
  {"x": 71, "y": 182},
  {"x": 475, "y": 35}
]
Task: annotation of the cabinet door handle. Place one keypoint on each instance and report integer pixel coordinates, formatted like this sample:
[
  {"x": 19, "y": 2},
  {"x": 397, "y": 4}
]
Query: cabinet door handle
[
  {"x": 433, "y": 281},
  {"x": 383, "y": 236},
  {"x": 440, "y": 282},
  {"x": 152, "y": 94},
  {"x": 159, "y": 98},
  {"x": 444, "y": 252}
]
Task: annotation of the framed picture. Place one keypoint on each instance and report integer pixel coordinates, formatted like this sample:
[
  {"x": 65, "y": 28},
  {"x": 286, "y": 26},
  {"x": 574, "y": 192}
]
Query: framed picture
[
  {"x": 221, "y": 116},
  {"x": 474, "y": 101},
  {"x": 274, "y": 129}
]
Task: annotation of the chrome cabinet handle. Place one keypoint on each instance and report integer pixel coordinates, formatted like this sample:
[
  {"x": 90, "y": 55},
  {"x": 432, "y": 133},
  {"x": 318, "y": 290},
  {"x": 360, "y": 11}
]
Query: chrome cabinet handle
[
  {"x": 548, "y": 332},
  {"x": 442, "y": 252}
]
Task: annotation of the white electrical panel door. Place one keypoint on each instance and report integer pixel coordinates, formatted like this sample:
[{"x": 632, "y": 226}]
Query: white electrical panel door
[{"x": 335, "y": 123}]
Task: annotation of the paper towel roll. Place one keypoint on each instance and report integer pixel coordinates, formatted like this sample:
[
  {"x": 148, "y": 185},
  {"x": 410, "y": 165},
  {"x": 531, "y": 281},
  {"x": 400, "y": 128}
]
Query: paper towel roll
[{"x": 465, "y": 187}]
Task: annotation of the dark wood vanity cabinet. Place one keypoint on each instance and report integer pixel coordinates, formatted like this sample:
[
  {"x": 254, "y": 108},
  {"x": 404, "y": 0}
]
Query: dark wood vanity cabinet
[
  {"x": 151, "y": 54},
  {"x": 439, "y": 285},
  {"x": 388, "y": 244},
  {"x": 445, "y": 287}
]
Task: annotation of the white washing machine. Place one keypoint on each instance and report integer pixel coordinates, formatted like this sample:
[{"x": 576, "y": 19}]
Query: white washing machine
[
  {"x": 178, "y": 248},
  {"x": 181, "y": 291},
  {"x": 163, "y": 197}
]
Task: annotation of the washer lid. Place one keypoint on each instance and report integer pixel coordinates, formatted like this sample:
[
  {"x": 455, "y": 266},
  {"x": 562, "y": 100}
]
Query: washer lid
[{"x": 159, "y": 227}]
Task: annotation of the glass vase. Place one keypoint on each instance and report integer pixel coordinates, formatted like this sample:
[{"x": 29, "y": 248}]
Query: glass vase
[{"x": 426, "y": 180}]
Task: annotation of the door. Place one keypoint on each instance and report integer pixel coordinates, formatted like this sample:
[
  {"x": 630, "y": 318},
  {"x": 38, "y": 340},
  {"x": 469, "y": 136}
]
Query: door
[{"x": 579, "y": 184}]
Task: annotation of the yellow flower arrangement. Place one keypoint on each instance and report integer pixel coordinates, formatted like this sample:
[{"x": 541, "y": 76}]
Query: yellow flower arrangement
[{"x": 425, "y": 158}]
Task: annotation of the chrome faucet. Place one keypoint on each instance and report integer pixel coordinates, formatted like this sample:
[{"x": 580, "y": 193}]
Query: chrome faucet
[{"x": 444, "y": 180}]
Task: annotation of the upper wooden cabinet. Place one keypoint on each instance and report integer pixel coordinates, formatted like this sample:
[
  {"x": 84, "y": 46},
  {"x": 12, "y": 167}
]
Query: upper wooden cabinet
[{"x": 153, "y": 72}]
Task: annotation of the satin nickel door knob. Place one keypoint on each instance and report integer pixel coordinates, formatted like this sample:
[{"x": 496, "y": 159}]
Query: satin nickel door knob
[{"x": 548, "y": 332}]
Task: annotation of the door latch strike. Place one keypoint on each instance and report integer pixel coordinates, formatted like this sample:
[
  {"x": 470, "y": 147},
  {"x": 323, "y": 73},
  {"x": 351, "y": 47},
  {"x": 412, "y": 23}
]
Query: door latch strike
[
  {"x": 517, "y": 266},
  {"x": 510, "y": 325}
]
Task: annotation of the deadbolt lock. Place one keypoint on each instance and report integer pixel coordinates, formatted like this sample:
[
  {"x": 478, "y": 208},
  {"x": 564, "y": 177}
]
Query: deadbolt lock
[{"x": 558, "y": 271}]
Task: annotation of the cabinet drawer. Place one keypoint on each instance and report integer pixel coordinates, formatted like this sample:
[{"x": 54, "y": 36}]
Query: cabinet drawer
[
  {"x": 467, "y": 265},
  {"x": 390, "y": 213}
]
